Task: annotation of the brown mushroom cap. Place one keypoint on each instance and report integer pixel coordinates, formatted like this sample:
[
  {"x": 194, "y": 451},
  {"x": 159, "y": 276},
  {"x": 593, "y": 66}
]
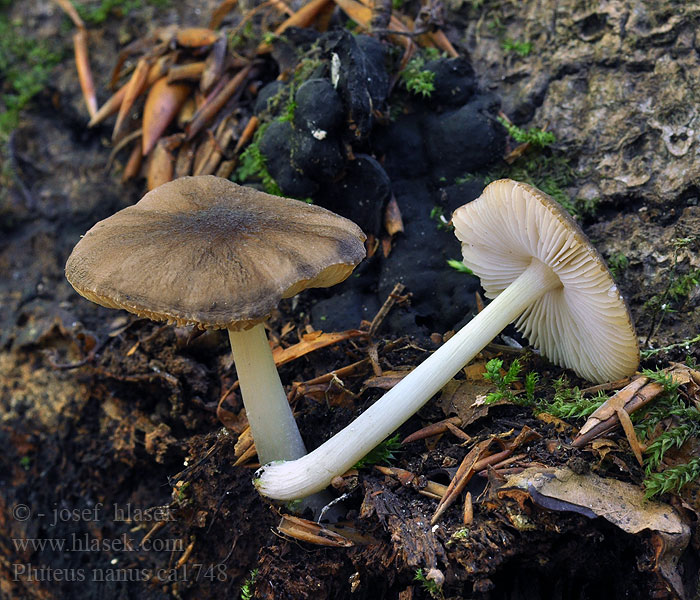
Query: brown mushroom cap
[
  {"x": 203, "y": 250},
  {"x": 585, "y": 323}
]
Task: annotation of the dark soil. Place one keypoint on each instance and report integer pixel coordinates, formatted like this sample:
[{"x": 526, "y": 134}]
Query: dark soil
[{"x": 109, "y": 424}]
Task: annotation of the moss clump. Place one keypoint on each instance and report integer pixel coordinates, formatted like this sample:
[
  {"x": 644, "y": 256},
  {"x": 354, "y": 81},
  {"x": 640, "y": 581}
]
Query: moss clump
[
  {"x": 253, "y": 166},
  {"x": 418, "y": 81},
  {"x": 25, "y": 68},
  {"x": 96, "y": 13}
]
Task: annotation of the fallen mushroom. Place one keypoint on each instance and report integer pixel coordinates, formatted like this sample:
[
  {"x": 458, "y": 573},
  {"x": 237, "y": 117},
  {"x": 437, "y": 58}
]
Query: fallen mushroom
[
  {"x": 206, "y": 251},
  {"x": 542, "y": 272}
]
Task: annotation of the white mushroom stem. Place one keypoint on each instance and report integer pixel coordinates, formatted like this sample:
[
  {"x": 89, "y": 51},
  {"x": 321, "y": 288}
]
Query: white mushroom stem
[
  {"x": 313, "y": 472},
  {"x": 271, "y": 421}
]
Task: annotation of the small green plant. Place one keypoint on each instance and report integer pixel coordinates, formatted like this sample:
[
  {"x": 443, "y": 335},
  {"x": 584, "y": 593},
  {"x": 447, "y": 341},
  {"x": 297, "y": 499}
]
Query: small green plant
[
  {"x": 569, "y": 403},
  {"x": 269, "y": 38},
  {"x": 248, "y": 587},
  {"x": 465, "y": 178},
  {"x": 433, "y": 53},
  {"x": 383, "y": 453},
  {"x": 460, "y": 534},
  {"x": 680, "y": 423},
  {"x": 428, "y": 585},
  {"x": 530, "y": 383},
  {"x": 25, "y": 462},
  {"x": 533, "y": 136},
  {"x": 458, "y": 265},
  {"x": 418, "y": 81},
  {"x": 649, "y": 352},
  {"x": 520, "y": 48},
  {"x": 438, "y": 214},
  {"x": 180, "y": 495},
  {"x": 238, "y": 38},
  {"x": 295, "y": 506},
  {"x": 97, "y": 13},
  {"x": 504, "y": 382},
  {"x": 252, "y": 165},
  {"x": 496, "y": 26},
  {"x": 677, "y": 290},
  {"x": 617, "y": 263},
  {"x": 672, "y": 479},
  {"x": 25, "y": 68},
  {"x": 551, "y": 173},
  {"x": 671, "y": 438}
]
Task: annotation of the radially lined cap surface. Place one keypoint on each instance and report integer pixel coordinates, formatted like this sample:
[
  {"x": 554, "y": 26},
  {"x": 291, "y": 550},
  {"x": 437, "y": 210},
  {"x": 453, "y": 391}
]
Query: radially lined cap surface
[
  {"x": 585, "y": 324},
  {"x": 204, "y": 250}
]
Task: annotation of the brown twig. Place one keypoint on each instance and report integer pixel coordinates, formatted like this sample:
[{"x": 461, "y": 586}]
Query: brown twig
[
  {"x": 464, "y": 473},
  {"x": 431, "y": 430},
  {"x": 385, "y": 308},
  {"x": 215, "y": 102}
]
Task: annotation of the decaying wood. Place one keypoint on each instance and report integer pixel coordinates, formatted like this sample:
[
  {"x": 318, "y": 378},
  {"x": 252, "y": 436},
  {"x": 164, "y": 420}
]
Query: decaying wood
[
  {"x": 412, "y": 536},
  {"x": 428, "y": 488}
]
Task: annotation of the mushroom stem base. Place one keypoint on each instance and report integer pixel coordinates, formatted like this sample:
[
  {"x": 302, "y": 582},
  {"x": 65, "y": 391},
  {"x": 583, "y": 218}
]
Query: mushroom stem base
[
  {"x": 271, "y": 421},
  {"x": 313, "y": 472}
]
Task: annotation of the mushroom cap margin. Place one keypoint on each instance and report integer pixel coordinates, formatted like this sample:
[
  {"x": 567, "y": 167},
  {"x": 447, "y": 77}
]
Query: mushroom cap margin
[
  {"x": 203, "y": 250},
  {"x": 584, "y": 325}
]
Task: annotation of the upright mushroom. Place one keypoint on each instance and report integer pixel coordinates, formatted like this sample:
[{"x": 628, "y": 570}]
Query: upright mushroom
[
  {"x": 542, "y": 272},
  {"x": 205, "y": 251}
]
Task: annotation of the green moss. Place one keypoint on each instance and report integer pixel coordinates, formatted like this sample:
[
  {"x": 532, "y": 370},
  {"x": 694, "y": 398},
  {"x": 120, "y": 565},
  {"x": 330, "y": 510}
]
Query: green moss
[
  {"x": 549, "y": 171},
  {"x": 430, "y": 586},
  {"x": 520, "y": 48},
  {"x": 679, "y": 423},
  {"x": 96, "y": 13},
  {"x": 617, "y": 263},
  {"x": 672, "y": 479},
  {"x": 241, "y": 38},
  {"x": 504, "y": 383},
  {"x": 416, "y": 79},
  {"x": 664, "y": 425},
  {"x": 253, "y": 166},
  {"x": 569, "y": 403},
  {"x": 25, "y": 68},
  {"x": 248, "y": 587},
  {"x": 677, "y": 291},
  {"x": 458, "y": 265},
  {"x": 437, "y": 214},
  {"x": 383, "y": 453},
  {"x": 533, "y": 136}
]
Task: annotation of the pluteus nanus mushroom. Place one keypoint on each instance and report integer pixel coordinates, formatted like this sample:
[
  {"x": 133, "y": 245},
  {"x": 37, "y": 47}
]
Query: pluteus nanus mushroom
[
  {"x": 207, "y": 252},
  {"x": 541, "y": 272}
]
